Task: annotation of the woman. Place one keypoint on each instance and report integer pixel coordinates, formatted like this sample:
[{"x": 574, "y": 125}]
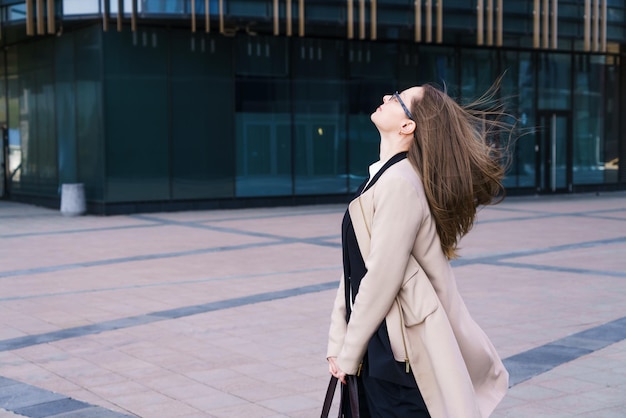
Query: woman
[{"x": 398, "y": 320}]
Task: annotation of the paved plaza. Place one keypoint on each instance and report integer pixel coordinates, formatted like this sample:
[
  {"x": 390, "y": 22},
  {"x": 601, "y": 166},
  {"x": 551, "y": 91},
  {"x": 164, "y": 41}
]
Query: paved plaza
[{"x": 225, "y": 313}]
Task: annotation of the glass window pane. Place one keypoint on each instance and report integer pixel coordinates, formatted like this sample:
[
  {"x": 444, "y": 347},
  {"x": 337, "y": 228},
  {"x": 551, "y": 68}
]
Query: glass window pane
[
  {"x": 137, "y": 148},
  {"x": 263, "y": 137},
  {"x": 319, "y": 118},
  {"x": 554, "y": 77},
  {"x": 595, "y": 154},
  {"x": 518, "y": 92},
  {"x": 202, "y": 124}
]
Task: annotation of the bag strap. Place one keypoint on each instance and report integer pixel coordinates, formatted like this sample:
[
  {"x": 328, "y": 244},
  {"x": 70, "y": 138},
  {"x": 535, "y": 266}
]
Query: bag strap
[
  {"x": 328, "y": 400},
  {"x": 353, "y": 392}
]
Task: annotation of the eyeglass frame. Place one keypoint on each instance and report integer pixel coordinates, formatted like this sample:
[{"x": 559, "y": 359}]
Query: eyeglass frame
[{"x": 396, "y": 95}]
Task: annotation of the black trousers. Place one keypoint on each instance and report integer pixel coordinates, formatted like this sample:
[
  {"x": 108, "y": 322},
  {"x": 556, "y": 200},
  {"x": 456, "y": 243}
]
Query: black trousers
[{"x": 382, "y": 399}]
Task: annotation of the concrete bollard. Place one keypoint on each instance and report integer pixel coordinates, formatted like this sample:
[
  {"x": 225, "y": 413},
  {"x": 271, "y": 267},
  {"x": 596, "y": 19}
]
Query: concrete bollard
[{"x": 73, "y": 199}]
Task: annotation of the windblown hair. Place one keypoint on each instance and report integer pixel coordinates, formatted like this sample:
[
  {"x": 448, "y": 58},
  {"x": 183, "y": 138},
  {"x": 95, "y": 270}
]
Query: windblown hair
[{"x": 459, "y": 168}]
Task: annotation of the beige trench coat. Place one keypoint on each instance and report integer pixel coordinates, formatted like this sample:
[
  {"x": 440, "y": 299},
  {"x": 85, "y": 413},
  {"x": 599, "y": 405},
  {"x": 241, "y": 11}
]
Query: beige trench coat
[{"x": 410, "y": 284}]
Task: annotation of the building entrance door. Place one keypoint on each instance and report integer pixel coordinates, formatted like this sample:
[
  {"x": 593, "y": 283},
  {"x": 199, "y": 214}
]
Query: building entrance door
[{"x": 553, "y": 152}]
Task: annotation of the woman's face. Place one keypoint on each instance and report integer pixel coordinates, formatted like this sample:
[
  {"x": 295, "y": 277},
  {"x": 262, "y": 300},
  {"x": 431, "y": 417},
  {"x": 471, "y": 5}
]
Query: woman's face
[{"x": 395, "y": 110}]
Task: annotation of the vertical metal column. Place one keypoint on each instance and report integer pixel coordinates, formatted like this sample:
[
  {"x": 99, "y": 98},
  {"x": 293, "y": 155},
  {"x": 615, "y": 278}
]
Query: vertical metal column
[
  {"x": 193, "y": 16},
  {"x": 301, "y": 17},
  {"x": 288, "y": 17},
  {"x": 595, "y": 30},
  {"x": 120, "y": 14},
  {"x": 51, "y": 17},
  {"x": 373, "y": 20},
  {"x": 546, "y": 23},
  {"x": 106, "y": 11},
  {"x": 536, "y": 17},
  {"x": 603, "y": 27},
  {"x": 439, "y": 21},
  {"x": 30, "y": 18},
  {"x": 418, "y": 20},
  {"x": 499, "y": 20},
  {"x": 133, "y": 15},
  {"x": 555, "y": 26},
  {"x": 489, "y": 22},
  {"x": 221, "y": 11},
  {"x": 40, "y": 23},
  {"x": 429, "y": 21},
  {"x": 350, "y": 19},
  {"x": 587, "y": 26},
  {"x": 479, "y": 22},
  {"x": 276, "y": 28},
  {"x": 361, "y": 19},
  {"x": 207, "y": 20}
]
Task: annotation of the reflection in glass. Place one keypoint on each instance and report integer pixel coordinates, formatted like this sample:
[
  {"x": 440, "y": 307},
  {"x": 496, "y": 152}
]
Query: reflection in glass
[
  {"x": 595, "y": 154},
  {"x": 263, "y": 138}
]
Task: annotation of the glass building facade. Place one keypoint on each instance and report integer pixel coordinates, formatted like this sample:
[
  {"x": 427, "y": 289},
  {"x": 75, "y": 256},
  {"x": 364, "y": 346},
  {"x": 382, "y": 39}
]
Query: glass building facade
[{"x": 269, "y": 104}]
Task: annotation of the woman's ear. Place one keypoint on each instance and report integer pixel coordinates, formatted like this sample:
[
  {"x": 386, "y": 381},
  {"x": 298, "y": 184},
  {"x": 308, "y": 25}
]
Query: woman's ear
[{"x": 408, "y": 127}]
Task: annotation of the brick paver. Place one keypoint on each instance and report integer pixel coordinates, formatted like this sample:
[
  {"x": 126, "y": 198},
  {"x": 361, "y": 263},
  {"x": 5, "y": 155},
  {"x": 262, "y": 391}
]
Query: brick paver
[{"x": 225, "y": 313}]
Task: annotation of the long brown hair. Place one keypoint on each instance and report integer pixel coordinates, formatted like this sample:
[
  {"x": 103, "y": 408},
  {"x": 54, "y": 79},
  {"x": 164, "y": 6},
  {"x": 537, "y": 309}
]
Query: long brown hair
[{"x": 459, "y": 168}]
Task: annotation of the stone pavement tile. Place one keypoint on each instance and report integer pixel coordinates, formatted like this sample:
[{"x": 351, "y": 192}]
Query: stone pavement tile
[
  {"x": 213, "y": 400},
  {"x": 304, "y": 226},
  {"x": 212, "y": 361},
  {"x": 247, "y": 410},
  {"x": 8, "y": 414},
  {"x": 291, "y": 404},
  {"x": 582, "y": 387},
  {"x": 53, "y": 250}
]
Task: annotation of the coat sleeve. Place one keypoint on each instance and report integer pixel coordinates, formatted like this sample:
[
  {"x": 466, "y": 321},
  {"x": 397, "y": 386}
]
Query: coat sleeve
[
  {"x": 338, "y": 323},
  {"x": 396, "y": 219}
]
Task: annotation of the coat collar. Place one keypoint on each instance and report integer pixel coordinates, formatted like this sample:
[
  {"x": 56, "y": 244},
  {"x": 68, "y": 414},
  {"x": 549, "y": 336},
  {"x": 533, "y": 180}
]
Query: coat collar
[{"x": 362, "y": 208}]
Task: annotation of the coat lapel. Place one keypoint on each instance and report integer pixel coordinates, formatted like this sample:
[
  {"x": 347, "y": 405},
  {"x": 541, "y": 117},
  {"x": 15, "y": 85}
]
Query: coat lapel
[{"x": 361, "y": 212}]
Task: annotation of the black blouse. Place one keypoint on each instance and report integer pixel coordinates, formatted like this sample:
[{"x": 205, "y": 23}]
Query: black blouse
[{"x": 379, "y": 358}]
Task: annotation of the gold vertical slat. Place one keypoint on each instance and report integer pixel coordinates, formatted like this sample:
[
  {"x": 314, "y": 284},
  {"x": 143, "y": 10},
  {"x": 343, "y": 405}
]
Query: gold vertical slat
[
  {"x": 207, "y": 17},
  {"x": 221, "y": 10},
  {"x": 30, "y": 18},
  {"x": 418, "y": 20},
  {"x": 373, "y": 19},
  {"x": 301, "y": 17},
  {"x": 587, "y": 25},
  {"x": 546, "y": 23},
  {"x": 489, "y": 22},
  {"x": 120, "y": 14},
  {"x": 133, "y": 15},
  {"x": 350, "y": 19},
  {"x": 439, "y": 21},
  {"x": 536, "y": 15},
  {"x": 429, "y": 21},
  {"x": 479, "y": 22},
  {"x": 595, "y": 26},
  {"x": 499, "y": 22},
  {"x": 555, "y": 23},
  {"x": 40, "y": 15},
  {"x": 276, "y": 27},
  {"x": 51, "y": 17},
  {"x": 361, "y": 19},
  {"x": 603, "y": 28},
  {"x": 288, "y": 16},
  {"x": 105, "y": 15},
  {"x": 193, "y": 16}
]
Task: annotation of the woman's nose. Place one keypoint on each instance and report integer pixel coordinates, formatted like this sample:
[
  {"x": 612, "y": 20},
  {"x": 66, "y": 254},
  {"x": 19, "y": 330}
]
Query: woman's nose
[{"x": 386, "y": 98}]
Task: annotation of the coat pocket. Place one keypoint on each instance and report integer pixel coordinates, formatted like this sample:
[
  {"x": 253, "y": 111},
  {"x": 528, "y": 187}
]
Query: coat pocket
[{"x": 417, "y": 296}]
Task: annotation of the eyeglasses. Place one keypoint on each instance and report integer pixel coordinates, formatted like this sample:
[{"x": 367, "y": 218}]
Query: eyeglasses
[{"x": 396, "y": 95}]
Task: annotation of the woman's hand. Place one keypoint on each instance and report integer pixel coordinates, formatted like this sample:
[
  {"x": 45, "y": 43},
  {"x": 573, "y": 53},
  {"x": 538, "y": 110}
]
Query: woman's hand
[{"x": 335, "y": 370}]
